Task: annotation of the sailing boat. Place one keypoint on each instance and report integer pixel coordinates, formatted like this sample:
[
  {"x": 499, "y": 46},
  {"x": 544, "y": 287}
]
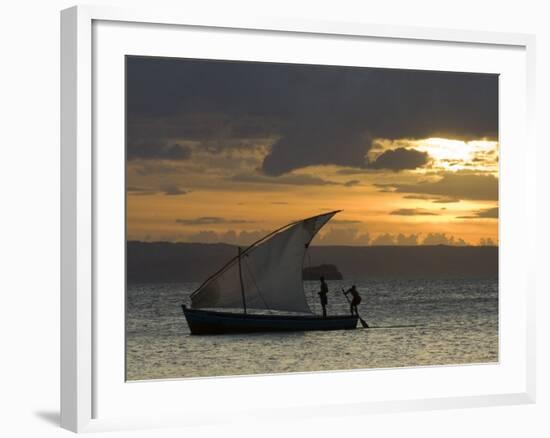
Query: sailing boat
[{"x": 266, "y": 276}]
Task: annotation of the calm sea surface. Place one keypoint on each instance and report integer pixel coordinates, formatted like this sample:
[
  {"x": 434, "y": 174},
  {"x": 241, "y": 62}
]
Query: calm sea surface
[{"x": 414, "y": 322}]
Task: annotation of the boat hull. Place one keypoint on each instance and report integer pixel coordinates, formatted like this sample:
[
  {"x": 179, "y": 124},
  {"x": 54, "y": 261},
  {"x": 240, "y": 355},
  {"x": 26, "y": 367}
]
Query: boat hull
[{"x": 206, "y": 322}]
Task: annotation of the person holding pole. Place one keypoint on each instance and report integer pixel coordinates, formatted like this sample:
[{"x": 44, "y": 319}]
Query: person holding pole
[{"x": 355, "y": 300}]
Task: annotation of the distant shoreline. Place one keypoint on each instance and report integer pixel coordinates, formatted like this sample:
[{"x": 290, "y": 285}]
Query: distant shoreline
[
  {"x": 313, "y": 245},
  {"x": 170, "y": 262}
]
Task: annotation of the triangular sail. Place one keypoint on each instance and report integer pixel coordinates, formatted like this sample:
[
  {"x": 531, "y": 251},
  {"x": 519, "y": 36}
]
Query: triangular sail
[{"x": 271, "y": 272}]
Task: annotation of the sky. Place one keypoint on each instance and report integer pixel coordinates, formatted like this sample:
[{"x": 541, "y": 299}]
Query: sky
[{"x": 227, "y": 151}]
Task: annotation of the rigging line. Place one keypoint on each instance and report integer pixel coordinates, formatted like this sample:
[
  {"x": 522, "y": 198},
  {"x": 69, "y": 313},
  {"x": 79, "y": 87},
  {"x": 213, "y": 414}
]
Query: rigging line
[
  {"x": 249, "y": 248},
  {"x": 256, "y": 285}
]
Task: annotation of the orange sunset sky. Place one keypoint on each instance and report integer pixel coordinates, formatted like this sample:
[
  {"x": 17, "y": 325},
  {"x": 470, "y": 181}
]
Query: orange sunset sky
[{"x": 228, "y": 151}]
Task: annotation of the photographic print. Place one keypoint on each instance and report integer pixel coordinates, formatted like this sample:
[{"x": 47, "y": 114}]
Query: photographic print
[{"x": 285, "y": 218}]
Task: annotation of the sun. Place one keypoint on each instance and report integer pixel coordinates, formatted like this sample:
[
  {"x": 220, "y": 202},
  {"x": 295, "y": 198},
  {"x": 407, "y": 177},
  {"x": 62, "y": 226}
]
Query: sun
[
  {"x": 441, "y": 149},
  {"x": 458, "y": 155}
]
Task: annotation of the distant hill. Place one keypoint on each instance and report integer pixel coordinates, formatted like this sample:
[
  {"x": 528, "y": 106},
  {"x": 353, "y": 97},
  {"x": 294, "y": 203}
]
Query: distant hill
[
  {"x": 330, "y": 272},
  {"x": 181, "y": 262}
]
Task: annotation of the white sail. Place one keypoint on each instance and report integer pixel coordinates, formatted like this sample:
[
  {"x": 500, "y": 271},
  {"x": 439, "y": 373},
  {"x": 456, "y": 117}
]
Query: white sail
[{"x": 271, "y": 272}]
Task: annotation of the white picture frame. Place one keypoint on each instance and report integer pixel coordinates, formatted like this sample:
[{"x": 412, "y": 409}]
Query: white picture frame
[{"x": 81, "y": 370}]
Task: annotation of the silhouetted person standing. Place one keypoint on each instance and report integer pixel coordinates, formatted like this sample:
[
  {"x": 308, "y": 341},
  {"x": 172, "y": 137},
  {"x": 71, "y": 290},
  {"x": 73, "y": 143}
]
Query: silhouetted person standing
[
  {"x": 323, "y": 295},
  {"x": 355, "y": 300}
]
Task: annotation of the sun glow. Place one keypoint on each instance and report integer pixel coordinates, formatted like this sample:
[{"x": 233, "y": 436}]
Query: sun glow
[
  {"x": 447, "y": 154},
  {"x": 453, "y": 155},
  {"x": 170, "y": 200}
]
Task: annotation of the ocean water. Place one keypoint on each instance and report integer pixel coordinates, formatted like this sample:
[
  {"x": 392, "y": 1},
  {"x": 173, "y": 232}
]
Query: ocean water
[{"x": 414, "y": 322}]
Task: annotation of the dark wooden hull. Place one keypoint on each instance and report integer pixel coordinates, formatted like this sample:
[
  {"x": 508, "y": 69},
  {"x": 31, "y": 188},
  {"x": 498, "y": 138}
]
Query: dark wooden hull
[{"x": 207, "y": 322}]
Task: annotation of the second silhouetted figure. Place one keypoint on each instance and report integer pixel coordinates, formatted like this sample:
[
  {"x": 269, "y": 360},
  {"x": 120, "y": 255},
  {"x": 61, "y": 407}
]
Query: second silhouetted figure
[{"x": 323, "y": 295}]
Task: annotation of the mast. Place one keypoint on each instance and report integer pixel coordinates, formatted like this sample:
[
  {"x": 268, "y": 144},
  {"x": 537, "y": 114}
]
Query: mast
[{"x": 241, "y": 280}]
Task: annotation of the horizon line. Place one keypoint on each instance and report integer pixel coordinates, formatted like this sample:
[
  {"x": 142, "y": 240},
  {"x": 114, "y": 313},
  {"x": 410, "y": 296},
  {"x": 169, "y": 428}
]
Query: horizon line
[{"x": 313, "y": 245}]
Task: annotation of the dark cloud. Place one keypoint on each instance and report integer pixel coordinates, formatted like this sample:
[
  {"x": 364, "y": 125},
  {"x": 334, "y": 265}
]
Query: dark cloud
[
  {"x": 140, "y": 191},
  {"x": 173, "y": 190},
  {"x": 153, "y": 152},
  {"x": 445, "y": 200},
  {"x": 210, "y": 220},
  {"x": 489, "y": 213},
  {"x": 422, "y": 197},
  {"x": 412, "y": 212},
  {"x": 168, "y": 189},
  {"x": 352, "y": 183},
  {"x": 149, "y": 167},
  {"x": 400, "y": 159},
  {"x": 290, "y": 179},
  {"x": 351, "y": 171},
  {"x": 436, "y": 199},
  {"x": 315, "y": 146},
  {"x": 453, "y": 162},
  {"x": 315, "y": 114},
  {"x": 453, "y": 186}
]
